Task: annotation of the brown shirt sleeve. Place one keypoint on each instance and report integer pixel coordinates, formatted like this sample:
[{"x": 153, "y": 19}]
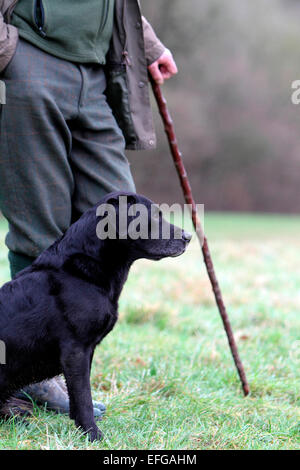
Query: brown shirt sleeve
[{"x": 153, "y": 46}]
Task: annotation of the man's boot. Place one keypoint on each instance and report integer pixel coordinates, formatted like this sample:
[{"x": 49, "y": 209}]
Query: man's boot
[{"x": 54, "y": 396}]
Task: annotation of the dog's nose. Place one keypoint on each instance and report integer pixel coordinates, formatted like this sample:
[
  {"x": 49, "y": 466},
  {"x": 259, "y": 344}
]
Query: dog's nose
[{"x": 186, "y": 236}]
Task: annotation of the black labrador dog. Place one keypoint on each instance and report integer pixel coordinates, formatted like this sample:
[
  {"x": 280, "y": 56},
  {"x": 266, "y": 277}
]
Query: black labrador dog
[{"x": 55, "y": 312}]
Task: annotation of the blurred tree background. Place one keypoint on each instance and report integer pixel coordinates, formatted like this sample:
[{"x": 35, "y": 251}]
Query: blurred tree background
[{"x": 231, "y": 103}]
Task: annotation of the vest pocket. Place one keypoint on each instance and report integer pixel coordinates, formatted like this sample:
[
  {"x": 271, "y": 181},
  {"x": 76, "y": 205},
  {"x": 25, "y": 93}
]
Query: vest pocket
[{"x": 39, "y": 17}]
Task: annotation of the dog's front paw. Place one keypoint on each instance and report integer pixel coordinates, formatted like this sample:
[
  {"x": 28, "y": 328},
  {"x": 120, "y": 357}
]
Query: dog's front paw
[{"x": 94, "y": 434}]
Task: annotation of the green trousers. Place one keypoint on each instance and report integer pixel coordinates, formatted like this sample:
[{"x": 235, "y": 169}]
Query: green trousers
[{"x": 61, "y": 149}]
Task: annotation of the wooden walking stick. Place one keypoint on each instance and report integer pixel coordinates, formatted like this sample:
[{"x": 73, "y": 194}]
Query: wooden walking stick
[{"x": 187, "y": 191}]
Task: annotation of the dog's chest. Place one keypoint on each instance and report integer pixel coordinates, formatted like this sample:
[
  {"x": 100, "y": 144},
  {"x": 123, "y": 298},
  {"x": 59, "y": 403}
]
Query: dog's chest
[{"x": 94, "y": 319}]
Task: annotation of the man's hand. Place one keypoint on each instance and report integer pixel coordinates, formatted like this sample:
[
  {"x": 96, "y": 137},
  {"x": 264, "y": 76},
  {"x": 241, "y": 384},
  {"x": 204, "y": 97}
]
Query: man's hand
[{"x": 163, "y": 68}]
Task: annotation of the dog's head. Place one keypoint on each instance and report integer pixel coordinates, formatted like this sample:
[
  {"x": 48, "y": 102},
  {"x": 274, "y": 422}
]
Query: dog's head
[{"x": 137, "y": 225}]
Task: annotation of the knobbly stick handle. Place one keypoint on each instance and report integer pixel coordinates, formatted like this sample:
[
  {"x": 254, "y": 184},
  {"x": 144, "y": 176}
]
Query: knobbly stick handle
[{"x": 187, "y": 191}]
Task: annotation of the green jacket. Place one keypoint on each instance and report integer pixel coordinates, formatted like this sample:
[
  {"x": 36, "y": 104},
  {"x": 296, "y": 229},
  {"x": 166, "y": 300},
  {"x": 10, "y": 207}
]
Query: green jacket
[{"x": 134, "y": 46}]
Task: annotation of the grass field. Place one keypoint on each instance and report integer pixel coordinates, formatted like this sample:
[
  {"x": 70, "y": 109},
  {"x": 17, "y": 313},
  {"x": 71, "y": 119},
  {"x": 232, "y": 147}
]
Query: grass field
[{"x": 165, "y": 372}]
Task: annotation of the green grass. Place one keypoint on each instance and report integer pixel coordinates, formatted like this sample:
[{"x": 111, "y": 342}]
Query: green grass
[{"x": 165, "y": 371}]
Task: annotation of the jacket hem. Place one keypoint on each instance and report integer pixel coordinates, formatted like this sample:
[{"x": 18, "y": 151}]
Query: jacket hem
[
  {"x": 33, "y": 39},
  {"x": 142, "y": 145}
]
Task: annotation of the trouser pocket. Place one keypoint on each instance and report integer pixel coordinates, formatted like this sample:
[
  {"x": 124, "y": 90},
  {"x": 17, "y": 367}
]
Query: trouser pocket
[{"x": 118, "y": 99}]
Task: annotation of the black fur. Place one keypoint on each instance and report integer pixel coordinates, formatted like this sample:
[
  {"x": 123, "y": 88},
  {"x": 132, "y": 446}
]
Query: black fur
[{"x": 55, "y": 312}]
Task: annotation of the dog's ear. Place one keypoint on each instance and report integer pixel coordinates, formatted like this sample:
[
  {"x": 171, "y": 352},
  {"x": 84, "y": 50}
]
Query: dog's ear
[
  {"x": 131, "y": 199},
  {"x": 115, "y": 218},
  {"x": 114, "y": 200},
  {"x": 107, "y": 213}
]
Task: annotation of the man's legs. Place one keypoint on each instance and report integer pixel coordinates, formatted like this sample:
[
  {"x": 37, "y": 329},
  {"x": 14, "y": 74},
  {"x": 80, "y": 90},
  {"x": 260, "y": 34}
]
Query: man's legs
[{"x": 60, "y": 149}]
